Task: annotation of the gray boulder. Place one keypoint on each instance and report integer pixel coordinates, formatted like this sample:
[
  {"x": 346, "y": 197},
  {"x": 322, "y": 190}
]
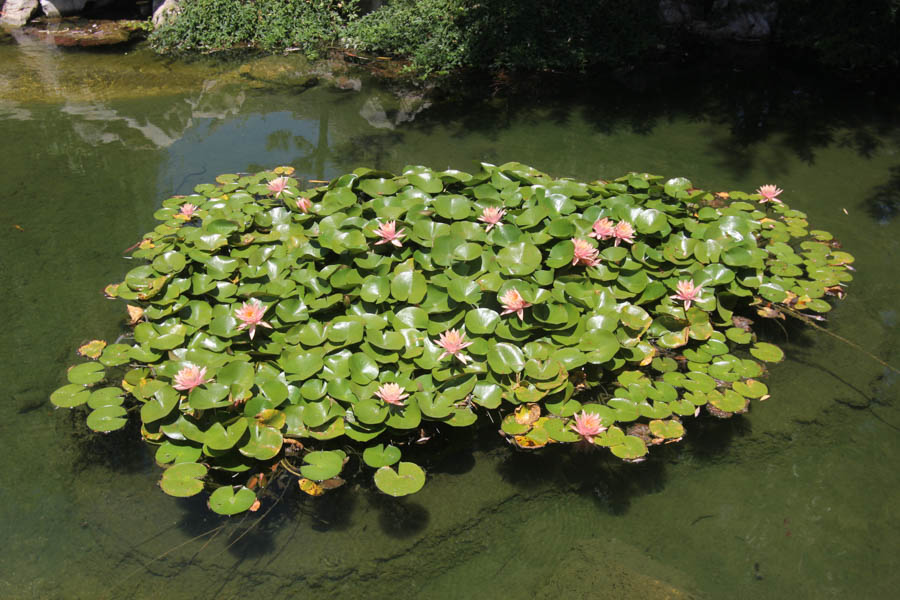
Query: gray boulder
[
  {"x": 17, "y": 12},
  {"x": 65, "y": 8},
  {"x": 163, "y": 11}
]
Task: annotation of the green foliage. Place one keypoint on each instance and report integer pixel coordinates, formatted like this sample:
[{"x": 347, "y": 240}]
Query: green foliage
[
  {"x": 432, "y": 34},
  {"x": 305, "y": 24},
  {"x": 531, "y": 35},
  {"x": 438, "y": 36},
  {"x": 843, "y": 33},
  {"x": 270, "y": 320},
  {"x": 206, "y": 25}
]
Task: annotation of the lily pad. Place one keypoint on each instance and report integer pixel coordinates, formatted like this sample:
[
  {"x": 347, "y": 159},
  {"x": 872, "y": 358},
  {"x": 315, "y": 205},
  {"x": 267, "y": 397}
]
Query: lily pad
[
  {"x": 407, "y": 479},
  {"x": 107, "y": 418},
  {"x": 86, "y": 373},
  {"x": 381, "y": 455},
  {"x": 226, "y": 501},
  {"x": 767, "y": 352},
  {"x": 70, "y": 395},
  {"x": 631, "y": 448},
  {"x": 183, "y": 480},
  {"x": 322, "y": 464}
]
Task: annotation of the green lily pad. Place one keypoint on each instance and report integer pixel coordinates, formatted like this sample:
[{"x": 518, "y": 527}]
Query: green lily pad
[
  {"x": 407, "y": 479},
  {"x": 505, "y": 358},
  {"x": 177, "y": 452},
  {"x": 183, "y": 480},
  {"x": 750, "y": 388},
  {"x": 109, "y": 396},
  {"x": 519, "y": 259},
  {"x": 107, "y": 418},
  {"x": 226, "y": 501},
  {"x": 729, "y": 401},
  {"x": 86, "y": 373},
  {"x": 767, "y": 352},
  {"x": 264, "y": 442},
  {"x": 322, "y": 464},
  {"x": 160, "y": 404},
  {"x": 70, "y": 395},
  {"x": 381, "y": 455},
  {"x": 631, "y": 448}
]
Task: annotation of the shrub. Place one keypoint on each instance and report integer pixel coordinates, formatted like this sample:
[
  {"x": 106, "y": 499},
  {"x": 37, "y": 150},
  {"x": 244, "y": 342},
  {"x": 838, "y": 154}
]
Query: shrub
[
  {"x": 207, "y": 25},
  {"x": 530, "y": 35}
]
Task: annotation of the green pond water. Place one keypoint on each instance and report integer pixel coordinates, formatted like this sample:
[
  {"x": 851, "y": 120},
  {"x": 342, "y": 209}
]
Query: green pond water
[{"x": 797, "y": 499}]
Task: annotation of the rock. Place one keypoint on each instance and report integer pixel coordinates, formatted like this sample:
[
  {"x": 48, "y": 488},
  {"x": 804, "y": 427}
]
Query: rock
[
  {"x": 80, "y": 32},
  {"x": 17, "y": 12},
  {"x": 747, "y": 20},
  {"x": 163, "y": 11},
  {"x": 675, "y": 12},
  {"x": 62, "y": 8}
]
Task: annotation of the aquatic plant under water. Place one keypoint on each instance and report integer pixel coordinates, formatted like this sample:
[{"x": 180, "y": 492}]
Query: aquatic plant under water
[{"x": 282, "y": 326}]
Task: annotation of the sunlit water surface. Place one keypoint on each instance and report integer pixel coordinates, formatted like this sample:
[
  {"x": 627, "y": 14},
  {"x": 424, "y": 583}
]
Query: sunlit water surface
[{"x": 797, "y": 499}]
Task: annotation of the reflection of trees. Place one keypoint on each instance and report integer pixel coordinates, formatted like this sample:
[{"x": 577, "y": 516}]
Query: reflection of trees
[
  {"x": 883, "y": 202},
  {"x": 769, "y": 115}
]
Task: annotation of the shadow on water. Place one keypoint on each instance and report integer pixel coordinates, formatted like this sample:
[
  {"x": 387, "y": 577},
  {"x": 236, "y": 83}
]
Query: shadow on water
[
  {"x": 121, "y": 451},
  {"x": 401, "y": 518},
  {"x": 613, "y": 483}
]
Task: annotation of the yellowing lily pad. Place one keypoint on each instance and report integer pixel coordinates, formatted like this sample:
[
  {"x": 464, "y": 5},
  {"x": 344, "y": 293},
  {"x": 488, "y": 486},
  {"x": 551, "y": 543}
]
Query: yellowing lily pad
[
  {"x": 666, "y": 429},
  {"x": 92, "y": 349},
  {"x": 308, "y": 486}
]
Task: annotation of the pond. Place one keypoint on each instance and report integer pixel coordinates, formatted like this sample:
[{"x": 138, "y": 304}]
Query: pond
[{"x": 799, "y": 494}]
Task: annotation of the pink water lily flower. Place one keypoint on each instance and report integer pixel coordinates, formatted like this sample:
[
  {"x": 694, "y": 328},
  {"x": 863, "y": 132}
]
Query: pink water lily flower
[
  {"x": 190, "y": 377},
  {"x": 187, "y": 211},
  {"x": 588, "y": 425},
  {"x": 278, "y": 185},
  {"x": 769, "y": 193},
  {"x": 251, "y": 314},
  {"x": 513, "y": 302},
  {"x": 452, "y": 343},
  {"x": 392, "y": 393},
  {"x": 304, "y": 204},
  {"x": 388, "y": 233},
  {"x": 686, "y": 292},
  {"x": 491, "y": 215},
  {"x": 623, "y": 232},
  {"x": 584, "y": 253},
  {"x": 603, "y": 229}
]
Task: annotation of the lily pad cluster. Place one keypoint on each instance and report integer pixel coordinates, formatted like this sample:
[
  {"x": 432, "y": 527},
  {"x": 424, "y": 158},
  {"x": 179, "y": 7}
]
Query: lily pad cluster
[{"x": 281, "y": 325}]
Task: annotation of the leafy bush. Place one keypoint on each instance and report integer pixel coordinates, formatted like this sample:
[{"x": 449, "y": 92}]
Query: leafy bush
[
  {"x": 276, "y": 328},
  {"x": 206, "y": 25},
  {"x": 532, "y": 35},
  {"x": 432, "y": 34}
]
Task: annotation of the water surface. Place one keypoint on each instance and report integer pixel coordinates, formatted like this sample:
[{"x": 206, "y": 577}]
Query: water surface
[{"x": 798, "y": 497}]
